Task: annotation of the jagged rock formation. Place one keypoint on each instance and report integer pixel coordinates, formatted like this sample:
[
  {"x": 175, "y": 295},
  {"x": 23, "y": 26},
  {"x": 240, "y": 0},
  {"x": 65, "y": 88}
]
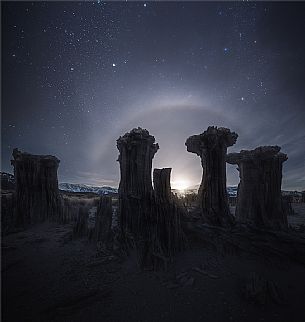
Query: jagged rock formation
[
  {"x": 103, "y": 220},
  {"x": 150, "y": 219},
  {"x": 259, "y": 200},
  {"x": 36, "y": 187},
  {"x": 211, "y": 147}
]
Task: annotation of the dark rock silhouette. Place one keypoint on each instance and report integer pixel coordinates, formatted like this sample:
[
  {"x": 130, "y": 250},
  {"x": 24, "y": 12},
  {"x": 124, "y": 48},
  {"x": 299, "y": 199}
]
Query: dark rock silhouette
[
  {"x": 7, "y": 212},
  {"x": 162, "y": 187},
  {"x": 36, "y": 187},
  {"x": 169, "y": 236},
  {"x": 211, "y": 147},
  {"x": 150, "y": 220},
  {"x": 103, "y": 220},
  {"x": 287, "y": 207},
  {"x": 137, "y": 149},
  {"x": 80, "y": 228},
  {"x": 259, "y": 200}
]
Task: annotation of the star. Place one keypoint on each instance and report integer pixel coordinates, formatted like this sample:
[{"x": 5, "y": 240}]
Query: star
[{"x": 113, "y": 64}]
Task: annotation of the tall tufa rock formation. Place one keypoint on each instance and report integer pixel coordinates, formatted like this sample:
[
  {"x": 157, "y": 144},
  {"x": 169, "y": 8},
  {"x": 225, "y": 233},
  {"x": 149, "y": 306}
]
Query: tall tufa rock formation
[
  {"x": 137, "y": 149},
  {"x": 259, "y": 200},
  {"x": 149, "y": 220},
  {"x": 36, "y": 187},
  {"x": 211, "y": 146}
]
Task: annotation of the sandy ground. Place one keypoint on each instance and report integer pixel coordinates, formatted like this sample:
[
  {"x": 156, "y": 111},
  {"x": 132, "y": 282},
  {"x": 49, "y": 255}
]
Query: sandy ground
[{"x": 46, "y": 276}]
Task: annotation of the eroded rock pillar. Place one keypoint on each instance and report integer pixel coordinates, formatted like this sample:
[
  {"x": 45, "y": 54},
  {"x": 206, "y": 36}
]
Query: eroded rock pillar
[
  {"x": 137, "y": 149},
  {"x": 259, "y": 200},
  {"x": 36, "y": 187},
  {"x": 211, "y": 146}
]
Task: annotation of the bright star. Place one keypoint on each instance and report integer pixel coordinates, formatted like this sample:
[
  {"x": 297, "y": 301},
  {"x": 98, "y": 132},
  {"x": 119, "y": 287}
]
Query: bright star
[{"x": 113, "y": 65}]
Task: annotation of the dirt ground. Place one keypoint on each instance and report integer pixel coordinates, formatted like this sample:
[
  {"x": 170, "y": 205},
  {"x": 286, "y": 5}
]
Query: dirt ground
[{"x": 47, "y": 276}]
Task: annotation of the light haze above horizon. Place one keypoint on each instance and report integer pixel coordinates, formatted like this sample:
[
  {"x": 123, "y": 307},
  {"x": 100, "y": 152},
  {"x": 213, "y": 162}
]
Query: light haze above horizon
[{"x": 77, "y": 75}]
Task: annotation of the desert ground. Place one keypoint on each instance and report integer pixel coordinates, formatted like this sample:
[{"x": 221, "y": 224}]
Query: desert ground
[{"x": 47, "y": 275}]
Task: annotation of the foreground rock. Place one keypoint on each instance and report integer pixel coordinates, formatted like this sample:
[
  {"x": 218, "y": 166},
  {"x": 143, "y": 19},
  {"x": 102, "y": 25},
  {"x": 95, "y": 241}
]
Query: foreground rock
[
  {"x": 169, "y": 235},
  {"x": 162, "y": 186},
  {"x": 143, "y": 221},
  {"x": 36, "y": 187},
  {"x": 103, "y": 221},
  {"x": 137, "y": 149},
  {"x": 211, "y": 147},
  {"x": 259, "y": 200}
]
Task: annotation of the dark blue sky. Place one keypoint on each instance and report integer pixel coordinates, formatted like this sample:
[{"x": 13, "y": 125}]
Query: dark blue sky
[{"x": 77, "y": 75}]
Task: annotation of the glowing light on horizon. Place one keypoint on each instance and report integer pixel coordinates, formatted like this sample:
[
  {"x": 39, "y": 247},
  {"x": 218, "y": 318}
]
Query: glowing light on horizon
[{"x": 180, "y": 184}]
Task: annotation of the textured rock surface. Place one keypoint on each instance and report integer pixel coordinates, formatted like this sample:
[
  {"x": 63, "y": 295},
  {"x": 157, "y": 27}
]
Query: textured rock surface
[
  {"x": 169, "y": 236},
  {"x": 259, "y": 200},
  {"x": 162, "y": 185},
  {"x": 80, "y": 228},
  {"x": 103, "y": 221},
  {"x": 137, "y": 149},
  {"x": 36, "y": 187},
  {"x": 211, "y": 147},
  {"x": 149, "y": 220}
]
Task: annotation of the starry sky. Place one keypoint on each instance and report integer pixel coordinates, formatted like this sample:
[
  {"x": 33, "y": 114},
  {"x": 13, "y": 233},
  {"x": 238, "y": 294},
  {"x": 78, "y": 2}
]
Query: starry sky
[{"x": 77, "y": 75}]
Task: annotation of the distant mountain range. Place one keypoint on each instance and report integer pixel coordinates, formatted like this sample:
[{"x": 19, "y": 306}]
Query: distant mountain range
[
  {"x": 8, "y": 183},
  {"x": 75, "y": 187}
]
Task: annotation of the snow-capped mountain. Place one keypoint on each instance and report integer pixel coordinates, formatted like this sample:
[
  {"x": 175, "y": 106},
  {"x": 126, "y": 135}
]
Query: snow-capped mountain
[{"x": 75, "y": 187}]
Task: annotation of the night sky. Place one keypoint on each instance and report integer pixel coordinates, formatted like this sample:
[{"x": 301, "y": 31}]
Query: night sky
[{"x": 77, "y": 75}]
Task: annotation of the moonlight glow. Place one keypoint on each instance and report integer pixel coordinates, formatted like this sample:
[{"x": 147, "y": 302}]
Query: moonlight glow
[
  {"x": 87, "y": 72},
  {"x": 180, "y": 184}
]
